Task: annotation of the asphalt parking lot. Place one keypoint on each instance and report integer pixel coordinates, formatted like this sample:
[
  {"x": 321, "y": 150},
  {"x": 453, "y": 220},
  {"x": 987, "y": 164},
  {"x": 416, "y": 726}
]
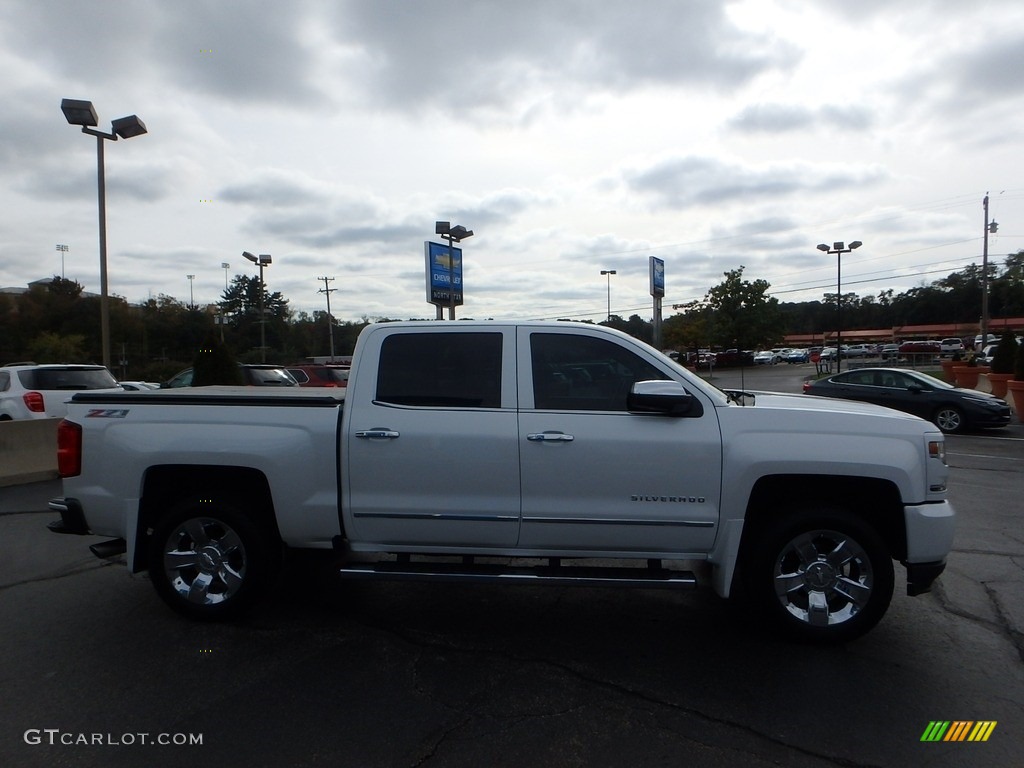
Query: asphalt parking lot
[{"x": 370, "y": 674}]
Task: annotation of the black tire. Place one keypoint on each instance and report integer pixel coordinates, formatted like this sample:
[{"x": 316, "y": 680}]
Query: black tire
[
  {"x": 949, "y": 419},
  {"x": 821, "y": 576},
  {"x": 209, "y": 561}
]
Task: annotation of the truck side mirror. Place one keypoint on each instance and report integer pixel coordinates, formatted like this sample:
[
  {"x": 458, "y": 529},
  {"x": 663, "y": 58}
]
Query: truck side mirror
[{"x": 666, "y": 398}]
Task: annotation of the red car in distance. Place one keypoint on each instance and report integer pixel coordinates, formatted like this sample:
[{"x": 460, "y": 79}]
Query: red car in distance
[{"x": 320, "y": 375}]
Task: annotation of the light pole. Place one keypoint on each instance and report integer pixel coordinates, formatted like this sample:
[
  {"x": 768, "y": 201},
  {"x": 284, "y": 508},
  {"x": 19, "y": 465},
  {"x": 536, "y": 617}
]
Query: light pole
[
  {"x": 263, "y": 260},
  {"x": 83, "y": 113},
  {"x": 191, "y": 295},
  {"x": 223, "y": 315},
  {"x": 452, "y": 234},
  {"x": 609, "y": 272},
  {"x": 63, "y": 249},
  {"x": 330, "y": 321},
  {"x": 838, "y": 249}
]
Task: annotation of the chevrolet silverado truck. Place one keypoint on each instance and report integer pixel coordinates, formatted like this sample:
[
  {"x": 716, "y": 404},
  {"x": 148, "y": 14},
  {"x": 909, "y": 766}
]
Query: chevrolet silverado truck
[{"x": 529, "y": 453}]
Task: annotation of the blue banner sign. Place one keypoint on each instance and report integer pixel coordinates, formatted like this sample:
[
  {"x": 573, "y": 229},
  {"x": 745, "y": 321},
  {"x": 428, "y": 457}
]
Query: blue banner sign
[
  {"x": 657, "y": 277},
  {"x": 439, "y": 274}
]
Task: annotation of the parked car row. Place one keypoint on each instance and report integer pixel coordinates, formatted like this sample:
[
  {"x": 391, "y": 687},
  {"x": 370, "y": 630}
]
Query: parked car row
[{"x": 32, "y": 391}]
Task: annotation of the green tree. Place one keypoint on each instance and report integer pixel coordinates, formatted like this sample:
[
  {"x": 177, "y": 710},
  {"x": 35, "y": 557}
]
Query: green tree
[
  {"x": 214, "y": 364},
  {"x": 742, "y": 314},
  {"x": 50, "y": 347}
]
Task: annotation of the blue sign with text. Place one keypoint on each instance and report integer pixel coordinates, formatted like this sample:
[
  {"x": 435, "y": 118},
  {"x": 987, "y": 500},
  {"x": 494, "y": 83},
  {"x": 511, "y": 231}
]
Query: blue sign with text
[{"x": 439, "y": 274}]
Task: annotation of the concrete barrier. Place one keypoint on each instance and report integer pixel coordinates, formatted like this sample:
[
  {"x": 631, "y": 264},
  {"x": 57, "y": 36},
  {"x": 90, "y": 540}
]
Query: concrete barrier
[{"x": 28, "y": 451}]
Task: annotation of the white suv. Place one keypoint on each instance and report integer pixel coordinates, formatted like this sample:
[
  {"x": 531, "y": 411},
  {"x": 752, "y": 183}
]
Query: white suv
[{"x": 30, "y": 391}]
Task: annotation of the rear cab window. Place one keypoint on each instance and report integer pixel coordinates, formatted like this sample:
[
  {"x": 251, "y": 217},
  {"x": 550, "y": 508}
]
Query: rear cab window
[{"x": 441, "y": 370}]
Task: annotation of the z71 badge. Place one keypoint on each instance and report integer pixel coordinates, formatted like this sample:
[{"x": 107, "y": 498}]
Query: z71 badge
[{"x": 107, "y": 413}]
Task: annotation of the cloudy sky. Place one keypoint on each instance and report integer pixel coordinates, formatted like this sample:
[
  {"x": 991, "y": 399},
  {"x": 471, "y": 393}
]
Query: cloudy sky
[{"x": 571, "y": 135}]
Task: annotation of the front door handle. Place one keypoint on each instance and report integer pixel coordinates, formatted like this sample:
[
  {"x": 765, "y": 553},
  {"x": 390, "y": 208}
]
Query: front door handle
[
  {"x": 550, "y": 437},
  {"x": 378, "y": 433}
]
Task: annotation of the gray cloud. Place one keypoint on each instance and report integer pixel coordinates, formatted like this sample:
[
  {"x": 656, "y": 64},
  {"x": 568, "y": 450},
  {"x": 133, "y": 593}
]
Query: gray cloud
[
  {"x": 493, "y": 53},
  {"x": 786, "y": 118},
  {"x": 682, "y": 182}
]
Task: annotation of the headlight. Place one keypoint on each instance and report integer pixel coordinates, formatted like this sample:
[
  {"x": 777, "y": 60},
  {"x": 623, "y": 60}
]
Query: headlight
[{"x": 937, "y": 450}]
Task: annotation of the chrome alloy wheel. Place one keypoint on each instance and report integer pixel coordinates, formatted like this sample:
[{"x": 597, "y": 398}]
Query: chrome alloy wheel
[
  {"x": 949, "y": 419},
  {"x": 205, "y": 561},
  {"x": 823, "y": 578}
]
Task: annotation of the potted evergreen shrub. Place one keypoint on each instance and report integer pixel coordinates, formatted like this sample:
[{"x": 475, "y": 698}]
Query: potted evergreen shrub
[
  {"x": 1002, "y": 364},
  {"x": 968, "y": 374},
  {"x": 1016, "y": 384}
]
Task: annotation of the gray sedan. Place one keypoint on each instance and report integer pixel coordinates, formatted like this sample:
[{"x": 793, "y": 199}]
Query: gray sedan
[{"x": 950, "y": 408}]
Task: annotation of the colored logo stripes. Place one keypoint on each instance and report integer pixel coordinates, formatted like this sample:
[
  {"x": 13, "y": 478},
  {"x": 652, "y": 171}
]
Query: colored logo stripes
[{"x": 958, "y": 730}]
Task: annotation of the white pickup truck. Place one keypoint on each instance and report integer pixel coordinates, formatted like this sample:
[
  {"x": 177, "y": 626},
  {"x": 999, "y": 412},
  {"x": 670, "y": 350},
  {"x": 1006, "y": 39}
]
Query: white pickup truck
[{"x": 515, "y": 452}]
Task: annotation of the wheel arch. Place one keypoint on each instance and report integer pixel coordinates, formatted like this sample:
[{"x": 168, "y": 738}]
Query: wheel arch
[
  {"x": 166, "y": 486},
  {"x": 875, "y": 501}
]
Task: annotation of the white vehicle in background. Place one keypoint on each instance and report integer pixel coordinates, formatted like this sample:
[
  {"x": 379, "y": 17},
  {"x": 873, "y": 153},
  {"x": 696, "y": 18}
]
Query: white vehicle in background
[
  {"x": 30, "y": 391},
  {"x": 765, "y": 357}
]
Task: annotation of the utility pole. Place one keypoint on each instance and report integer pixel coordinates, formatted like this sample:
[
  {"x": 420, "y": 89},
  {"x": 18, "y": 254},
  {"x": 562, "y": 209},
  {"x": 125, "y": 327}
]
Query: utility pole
[
  {"x": 330, "y": 320},
  {"x": 990, "y": 227}
]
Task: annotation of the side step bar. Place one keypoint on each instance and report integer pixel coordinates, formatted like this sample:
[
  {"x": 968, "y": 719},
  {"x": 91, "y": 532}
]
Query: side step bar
[{"x": 653, "y": 576}]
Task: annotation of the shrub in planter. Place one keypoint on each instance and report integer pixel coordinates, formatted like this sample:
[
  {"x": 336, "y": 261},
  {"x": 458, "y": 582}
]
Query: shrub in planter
[{"x": 1006, "y": 354}]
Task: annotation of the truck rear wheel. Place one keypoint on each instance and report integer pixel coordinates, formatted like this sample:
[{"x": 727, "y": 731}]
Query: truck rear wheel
[
  {"x": 821, "y": 577},
  {"x": 209, "y": 561}
]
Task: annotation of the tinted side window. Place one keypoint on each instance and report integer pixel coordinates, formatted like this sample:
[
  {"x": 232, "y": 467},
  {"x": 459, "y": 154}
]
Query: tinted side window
[
  {"x": 5, "y": 381},
  {"x": 441, "y": 369},
  {"x": 861, "y": 377},
  {"x": 573, "y": 372}
]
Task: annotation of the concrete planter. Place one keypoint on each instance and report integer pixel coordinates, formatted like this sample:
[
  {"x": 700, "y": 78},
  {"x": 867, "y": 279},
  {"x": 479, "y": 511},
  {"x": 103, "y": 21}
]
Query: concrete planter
[
  {"x": 967, "y": 376},
  {"x": 998, "y": 382},
  {"x": 1016, "y": 389}
]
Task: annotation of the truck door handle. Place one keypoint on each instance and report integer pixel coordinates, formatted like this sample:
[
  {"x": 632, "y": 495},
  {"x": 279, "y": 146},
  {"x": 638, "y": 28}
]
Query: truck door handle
[
  {"x": 550, "y": 437},
  {"x": 378, "y": 433}
]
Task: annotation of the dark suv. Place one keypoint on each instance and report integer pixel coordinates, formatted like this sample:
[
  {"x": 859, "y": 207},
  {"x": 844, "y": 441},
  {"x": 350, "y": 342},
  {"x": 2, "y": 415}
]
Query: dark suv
[{"x": 252, "y": 375}]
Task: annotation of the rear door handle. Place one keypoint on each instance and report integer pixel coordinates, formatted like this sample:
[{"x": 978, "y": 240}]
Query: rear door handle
[
  {"x": 378, "y": 433},
  {"x": 550, "y": 437}
]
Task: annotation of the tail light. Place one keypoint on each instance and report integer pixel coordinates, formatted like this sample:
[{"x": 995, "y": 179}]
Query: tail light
[
  {"x": 69, "y": 449},
  {"x": 34, "y": 401}
]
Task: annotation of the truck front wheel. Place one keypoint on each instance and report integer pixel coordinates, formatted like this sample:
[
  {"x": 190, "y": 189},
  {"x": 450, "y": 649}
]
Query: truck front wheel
[
  {"x": 824, "y": 577},
  {"x": 209, "y": 563}
]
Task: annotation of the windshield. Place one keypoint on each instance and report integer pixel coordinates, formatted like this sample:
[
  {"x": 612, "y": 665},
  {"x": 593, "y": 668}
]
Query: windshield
[{"x": 931, "y": 381}]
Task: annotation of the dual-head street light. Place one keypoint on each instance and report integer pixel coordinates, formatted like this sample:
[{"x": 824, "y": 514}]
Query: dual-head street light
[
  {"x": 452, "y": 234},
  {"x": 263, "y": 260},
  {"x": 609, "y": 272},
  {"x": 83, "y": 113},
  {"x": 838, "y": 249}
]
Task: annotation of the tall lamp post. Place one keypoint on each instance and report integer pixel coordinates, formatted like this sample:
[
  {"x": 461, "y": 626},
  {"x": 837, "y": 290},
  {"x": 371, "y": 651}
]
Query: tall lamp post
[
  {"x": 83, "y": 113},
  {"x": 222, "y": 316},
  {"x": 609, "y": 272},
  {"x": 838, "y": 249},
  {"x": 191, "y": 294},
  {"x": 452, "y": 234},
  {"x": 63, "y": 249},
  {"x": 263, "y": 260}
]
